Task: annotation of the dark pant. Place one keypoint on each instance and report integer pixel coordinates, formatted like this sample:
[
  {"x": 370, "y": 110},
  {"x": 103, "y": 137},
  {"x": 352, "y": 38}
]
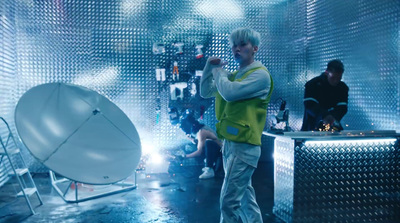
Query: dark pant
[{"x": 213, "y": 153}]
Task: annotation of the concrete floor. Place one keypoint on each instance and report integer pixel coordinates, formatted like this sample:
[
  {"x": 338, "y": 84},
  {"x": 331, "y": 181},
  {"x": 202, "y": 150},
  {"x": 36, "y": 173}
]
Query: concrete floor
[{"x": 175, "y": 197}]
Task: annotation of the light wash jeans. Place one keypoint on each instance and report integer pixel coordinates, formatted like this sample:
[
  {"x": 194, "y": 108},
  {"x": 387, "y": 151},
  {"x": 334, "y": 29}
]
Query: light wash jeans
[{"x": 238, "y": 200}]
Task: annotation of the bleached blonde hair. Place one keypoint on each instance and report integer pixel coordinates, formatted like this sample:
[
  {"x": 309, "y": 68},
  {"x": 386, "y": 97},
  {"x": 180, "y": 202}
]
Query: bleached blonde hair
[{"x": 245, "y": 35}]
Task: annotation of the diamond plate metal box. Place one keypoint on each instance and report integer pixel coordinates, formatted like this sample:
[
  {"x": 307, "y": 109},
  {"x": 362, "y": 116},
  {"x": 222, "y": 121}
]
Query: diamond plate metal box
[{"x": 343, "y": 180}]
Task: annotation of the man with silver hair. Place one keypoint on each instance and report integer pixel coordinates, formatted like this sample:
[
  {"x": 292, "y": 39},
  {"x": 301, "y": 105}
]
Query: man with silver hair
[{"x": 241, "y": 101}]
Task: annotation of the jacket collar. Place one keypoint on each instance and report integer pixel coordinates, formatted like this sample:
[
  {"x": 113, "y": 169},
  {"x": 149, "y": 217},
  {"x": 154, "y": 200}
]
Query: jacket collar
[{"x": 243, "y": 70}]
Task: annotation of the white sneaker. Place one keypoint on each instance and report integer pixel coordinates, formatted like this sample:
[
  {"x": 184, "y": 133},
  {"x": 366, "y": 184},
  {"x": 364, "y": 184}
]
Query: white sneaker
[{"x": 208, "y": 173}]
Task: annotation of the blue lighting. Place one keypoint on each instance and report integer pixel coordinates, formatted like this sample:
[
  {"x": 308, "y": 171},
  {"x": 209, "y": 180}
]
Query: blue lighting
[{"x": 356, "y": 141}]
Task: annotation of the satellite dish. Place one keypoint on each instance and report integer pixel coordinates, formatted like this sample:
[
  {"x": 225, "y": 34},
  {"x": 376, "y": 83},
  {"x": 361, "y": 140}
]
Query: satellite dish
[{"x": 78, "y": 133}]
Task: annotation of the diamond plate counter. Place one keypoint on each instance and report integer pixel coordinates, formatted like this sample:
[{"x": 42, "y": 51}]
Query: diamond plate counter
[{"x": 350, "y": 176}]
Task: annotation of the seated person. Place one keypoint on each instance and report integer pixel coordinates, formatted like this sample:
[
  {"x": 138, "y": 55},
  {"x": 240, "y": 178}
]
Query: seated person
[{"x": 208, "y": 143}]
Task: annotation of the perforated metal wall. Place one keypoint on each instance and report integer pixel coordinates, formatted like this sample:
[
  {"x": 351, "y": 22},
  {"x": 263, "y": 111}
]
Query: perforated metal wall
[
  {"x": 107, "y": 46},
  {"x": 295, "y": 76},
  {"x": 7, "y": 75},
  {"x": 365, "y": 36}
]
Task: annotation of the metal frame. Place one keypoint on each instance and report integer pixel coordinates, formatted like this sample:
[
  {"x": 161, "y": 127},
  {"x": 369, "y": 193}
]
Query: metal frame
[
  {"x": 20, "y": 179},
  {"x": 122, "y": 187}
]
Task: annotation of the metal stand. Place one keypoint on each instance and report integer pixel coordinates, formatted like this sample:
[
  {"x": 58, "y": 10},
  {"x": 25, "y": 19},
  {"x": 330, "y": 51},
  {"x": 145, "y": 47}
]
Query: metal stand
[
  {"x": 283, "y": 116},
  {"x": 19, "y": 169},
  {"x": 109, "y": 190}
]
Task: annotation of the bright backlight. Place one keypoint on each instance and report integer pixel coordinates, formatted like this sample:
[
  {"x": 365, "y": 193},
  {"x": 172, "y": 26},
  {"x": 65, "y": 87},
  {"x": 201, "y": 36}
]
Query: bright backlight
[{"x": 359, "y": 141}]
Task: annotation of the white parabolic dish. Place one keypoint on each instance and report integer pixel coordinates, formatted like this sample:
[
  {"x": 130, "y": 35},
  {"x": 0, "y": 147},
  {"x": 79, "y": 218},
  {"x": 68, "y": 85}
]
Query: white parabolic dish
[{"x": 78, "y": 133}]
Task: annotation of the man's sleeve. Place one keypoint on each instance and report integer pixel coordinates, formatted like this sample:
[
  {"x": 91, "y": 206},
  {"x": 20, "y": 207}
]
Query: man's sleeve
[
  {"x": 340, "y": 108},
  {"x": 311, "y": 103},
  {"x": 256, "y": 84},
  {"x": 207, "y": 83}
]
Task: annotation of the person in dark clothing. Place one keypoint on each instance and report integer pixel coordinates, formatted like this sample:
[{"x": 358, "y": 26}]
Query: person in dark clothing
[
  {"x": 325, "y": 99},
  {"x": 208, "y": 144}
]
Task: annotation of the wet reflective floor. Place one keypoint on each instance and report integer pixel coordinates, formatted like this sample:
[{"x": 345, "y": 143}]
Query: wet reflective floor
[{"x": 178, "y": 196}]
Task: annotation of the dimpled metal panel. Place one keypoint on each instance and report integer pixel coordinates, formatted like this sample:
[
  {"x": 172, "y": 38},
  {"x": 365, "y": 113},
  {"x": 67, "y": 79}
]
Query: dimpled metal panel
[
  {"x": 7, "y": 77},
  {"x": 295, "y": 76},
  {"x": 364, "y": 35},
  {"x": 284, "y": 178},
  {"x": 107, "y": 46},
  {"x": 341, "y": 181}
]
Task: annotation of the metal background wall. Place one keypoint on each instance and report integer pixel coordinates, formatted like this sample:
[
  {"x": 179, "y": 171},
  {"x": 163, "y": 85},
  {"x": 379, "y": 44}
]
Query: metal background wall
[
  {"x": 106, "y": 46},
  {"x": 7, "y": 75},
  {"x": 365, "y": 35}
]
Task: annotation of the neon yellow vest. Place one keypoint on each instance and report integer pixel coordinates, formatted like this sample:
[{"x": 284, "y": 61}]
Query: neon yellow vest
[{"x": 244, "y": 120}]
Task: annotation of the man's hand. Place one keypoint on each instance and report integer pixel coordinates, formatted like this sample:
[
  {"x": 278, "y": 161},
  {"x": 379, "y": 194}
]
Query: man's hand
[{"x": 217, "y": 61}]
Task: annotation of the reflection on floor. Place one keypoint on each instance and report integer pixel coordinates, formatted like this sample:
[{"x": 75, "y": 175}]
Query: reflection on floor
[{"x": 176, "y": 197}]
